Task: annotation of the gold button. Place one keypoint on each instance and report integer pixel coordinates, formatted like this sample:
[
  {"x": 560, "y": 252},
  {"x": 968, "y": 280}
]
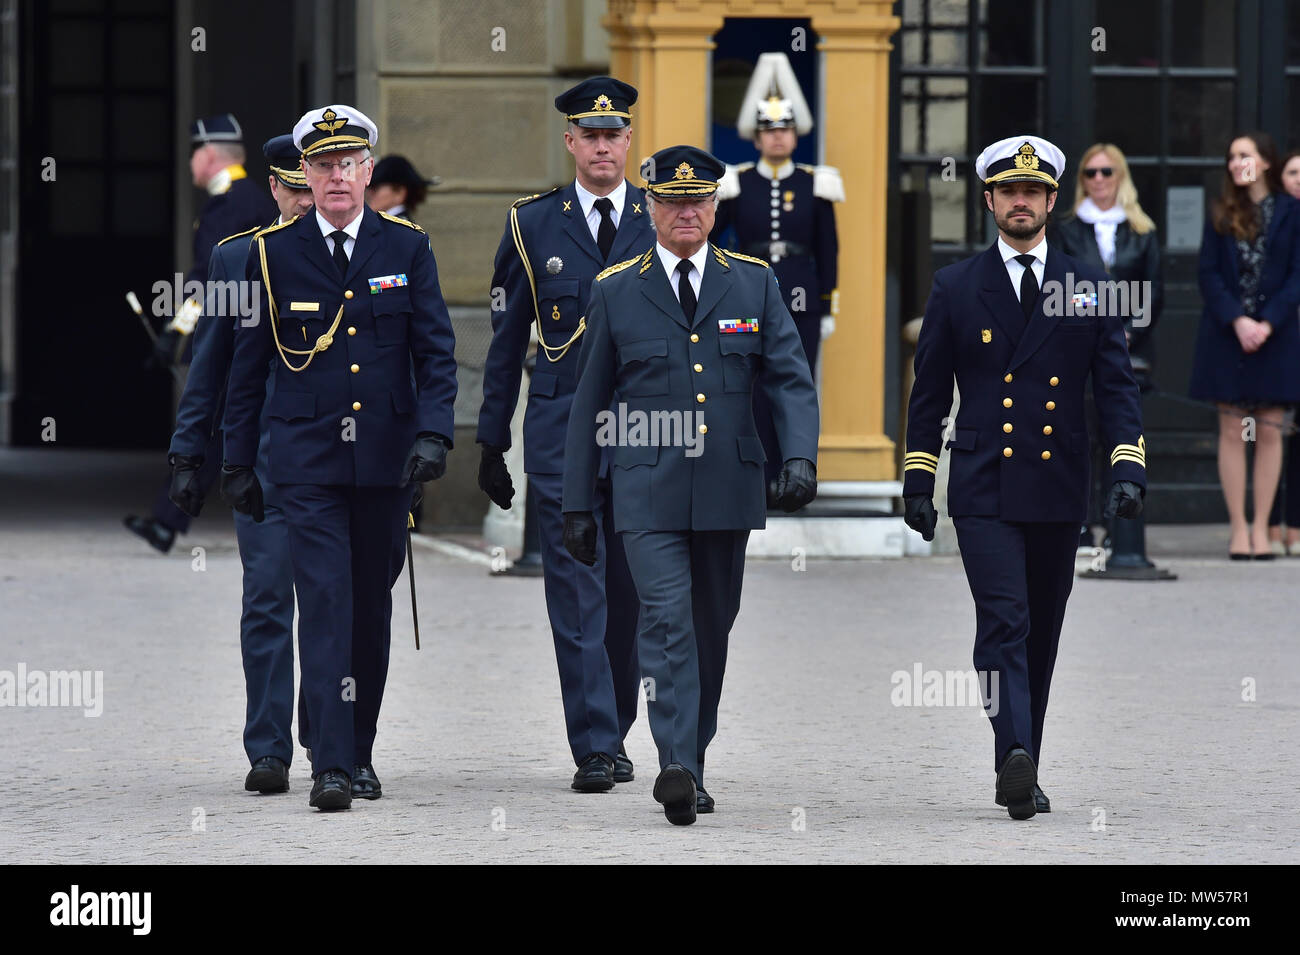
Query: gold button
[
  {"x": 695, "y": 338},
  {"x": 1007, "y": 427},
  {"x": 355, "y": 369},
  {"x": 356, "y": 406},
  {"x": 351, "y": 330},
  {"x": 348, "y": 293},
  {"x": 1006, "y": 452},
  {"x": 704, "y": 429},
  {"x": 1007, "y": 379},
  {"x": 1051, "y": 406},
  {"x": 1047, "y": 429},
  {"x": 700, "y": 397},
  {"x": 698, "y": 366},
  {"x": 1047, "y": 455},
  {"x": 1006, "y": 402},
  {"x": 1054, "y": 381}
]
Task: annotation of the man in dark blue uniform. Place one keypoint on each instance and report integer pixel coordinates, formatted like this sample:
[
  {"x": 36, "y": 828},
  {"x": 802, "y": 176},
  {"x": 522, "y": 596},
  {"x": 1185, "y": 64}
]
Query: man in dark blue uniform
[
  {"x": 266, "y": 624},
  {"x": 677, "y": 336},
  {"x": 553, "y": 247},
  {"x": 1020, "y": 336},
  {"x": 235, "y": 204},
  {"x": 361, "y": 410},
  {"x": 784, "y": 213}
]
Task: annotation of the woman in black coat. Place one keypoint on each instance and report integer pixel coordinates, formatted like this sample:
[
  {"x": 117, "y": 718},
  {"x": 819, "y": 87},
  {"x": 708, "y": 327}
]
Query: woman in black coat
[
  {"x": 1108, "y": 229},
  {"x": 1288, "y": 511},
  {"x": 1248, "y": 348}
]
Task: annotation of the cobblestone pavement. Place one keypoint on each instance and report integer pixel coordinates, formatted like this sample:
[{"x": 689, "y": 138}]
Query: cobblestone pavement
[{"x": 1151, "y": 753}]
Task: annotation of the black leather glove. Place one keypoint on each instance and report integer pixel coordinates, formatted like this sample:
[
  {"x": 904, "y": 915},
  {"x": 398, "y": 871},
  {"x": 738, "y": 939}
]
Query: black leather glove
[
  {"x": 795, "y": 486},
  {"x": 185, "y": 491},
  {"x": 242, "y": 491},
  {"x": 494, "y": 477},
  {"x": 165, "y": 348},
  {"x": 427, "y": 460},
  {"x": 580, "y": 536},
  {"x": 919, "y": 514},
  {"x": 1125, "y": 500}
]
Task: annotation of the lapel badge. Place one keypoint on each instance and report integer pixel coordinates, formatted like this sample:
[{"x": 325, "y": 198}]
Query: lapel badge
[
  {"x": 555, "y": 312},
  {"x": 636, "y": 208},
  {"x": 554, "y": 264},
  {"x": 986, "y": 335},
  {"x": 568, "y": 204}
]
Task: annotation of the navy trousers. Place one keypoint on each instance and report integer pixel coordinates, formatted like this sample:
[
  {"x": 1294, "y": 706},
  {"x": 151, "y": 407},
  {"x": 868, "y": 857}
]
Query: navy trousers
[
  {"x": 266, "y": 635},
  {"x": 689, "y": 585},
  {"x": 593, "y": 614},
  {"x": 347, "y": 545},
  {"x": 1020, "y": 576}
]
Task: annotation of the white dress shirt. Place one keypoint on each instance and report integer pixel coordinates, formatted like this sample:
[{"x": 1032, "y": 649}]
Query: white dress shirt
[
  {"x": 352, "y": 228},
  {"x": 1015, "y": 270},
  {"x": 587, "y": 200},
  {"x": 696, "y": 275}
]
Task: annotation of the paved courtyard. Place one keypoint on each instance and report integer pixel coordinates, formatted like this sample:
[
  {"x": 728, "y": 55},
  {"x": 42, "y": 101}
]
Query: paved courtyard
[{"x": 1151, "y": 753}]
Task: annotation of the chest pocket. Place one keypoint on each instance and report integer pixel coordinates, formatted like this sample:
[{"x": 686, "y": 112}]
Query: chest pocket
[
  {"x": 741, "y": 352},
  {"x": 392, "y": 308},
  {"x": 643, "y": 367},
  {"x": 557, "y": 304}
]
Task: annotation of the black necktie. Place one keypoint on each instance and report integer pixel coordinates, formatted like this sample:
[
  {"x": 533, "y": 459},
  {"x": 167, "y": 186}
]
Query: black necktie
[
  {"x": 1028, "y": 285},
  {"x": 340, "y": 254},
  {"x": 605, "y": 234},
  {"x": 685, "y": 293}
]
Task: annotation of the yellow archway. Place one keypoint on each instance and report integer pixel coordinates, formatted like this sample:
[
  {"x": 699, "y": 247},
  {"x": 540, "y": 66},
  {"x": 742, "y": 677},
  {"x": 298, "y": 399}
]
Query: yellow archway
[{"x": 662, "y": 48}]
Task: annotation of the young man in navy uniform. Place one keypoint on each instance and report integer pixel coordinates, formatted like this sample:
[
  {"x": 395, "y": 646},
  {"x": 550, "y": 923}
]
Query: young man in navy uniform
[
  {"x": 362, "y": 409},
  {"x": 682, "y": 331},
  {"x": 266, "y": 624},
  {"x": 784, "y": 213},
  {"x": 1018, "y": 476},
  {"x": 553, "y": 247}
]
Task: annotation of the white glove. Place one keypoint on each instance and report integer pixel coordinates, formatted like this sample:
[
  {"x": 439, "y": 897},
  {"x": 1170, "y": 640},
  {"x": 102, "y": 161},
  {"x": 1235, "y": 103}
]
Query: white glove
[{"x": 828, "y": 326}]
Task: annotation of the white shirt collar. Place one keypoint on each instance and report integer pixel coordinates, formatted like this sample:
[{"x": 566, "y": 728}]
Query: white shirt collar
[
  {"x": 397, "y": 210},
  {"x": 588, "y": 199},
  {"x": 670, "y": 260},
  {"x": 352, "y": 228},
  {"x": 1039, "y": 251},
  {"x": 779, "y": 173}
]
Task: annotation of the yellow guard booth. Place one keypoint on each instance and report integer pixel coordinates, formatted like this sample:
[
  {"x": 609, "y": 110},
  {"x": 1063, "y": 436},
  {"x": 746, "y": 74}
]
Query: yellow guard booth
[{"x": 663, "y": 47}]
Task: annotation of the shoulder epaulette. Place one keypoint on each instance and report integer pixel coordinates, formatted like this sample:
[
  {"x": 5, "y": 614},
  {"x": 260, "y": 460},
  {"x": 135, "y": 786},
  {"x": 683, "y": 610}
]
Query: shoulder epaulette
[
  {"x": 620, "y": 267},
  {"x": 238, "y": 234},
  {"x": 524, "y": 200},
  {"x": 827, "y": 183},
  {"x": 400, "y": 221},
  {"x": 272, "y": 228},
  {"x": 745, "y": 258}
]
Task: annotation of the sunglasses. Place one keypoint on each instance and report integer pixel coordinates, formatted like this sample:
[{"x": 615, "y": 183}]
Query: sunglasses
[{"x": 1103, "y": 171}]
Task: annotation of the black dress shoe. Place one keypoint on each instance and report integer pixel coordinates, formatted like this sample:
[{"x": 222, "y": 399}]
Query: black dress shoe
[
  {"x": 595, "y": 774},
  {"x": 675, "y": 789},
  {"x": 623, "y": 767},
  {"x": 1016, "y": 781},
  {"x": 268, "y": 775},
  {"x": 331, "y": 791},
  {"x": 703, "y": 801},
  {"x": 365, "y": 784},
  {"x": 1041, "y": 802},
  {"x": 159, "y": 536}
]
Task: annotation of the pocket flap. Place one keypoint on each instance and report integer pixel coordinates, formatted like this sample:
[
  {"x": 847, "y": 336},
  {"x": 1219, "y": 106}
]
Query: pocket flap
[
  {"x": 557, "y": 288},
  {"x": 750, "y": 447},
  {"x": 643, "y": 350},
  {"x": 740, "y": 343},
  {"x": 289, "y": 405},
  {"x": 630, "y": 456},
  {"x": 542, "y": 384},
  {"x": 392, "y": 301},
  {"x": 963, "y": 439}
]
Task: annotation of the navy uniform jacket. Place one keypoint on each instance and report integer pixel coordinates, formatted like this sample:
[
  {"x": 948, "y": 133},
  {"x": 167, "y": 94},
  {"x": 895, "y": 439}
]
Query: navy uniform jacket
[
  {"x": 199, "y": 414},
  {"x": 807, "y": 226},
  {"x": 351, "y": 416},
  {"x": 551, "y": 226},
  {"x": 1020, "y": 442},
  {"x": 640, "y": 350},
  {"x": 245, "y": 205},
  {"x": 1222, "y": 371}
]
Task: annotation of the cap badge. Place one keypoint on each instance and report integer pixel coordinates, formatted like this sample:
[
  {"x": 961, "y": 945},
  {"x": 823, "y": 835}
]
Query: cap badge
[
  {"x": 330, "y": 122},
  {"x": 1026, "y": 158},
  {"x": 554, "y": 264},
  {"x": 603, "y": 104},
  {"x": 684, "y": 171},
  {"x": 774, "y": 109}
]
